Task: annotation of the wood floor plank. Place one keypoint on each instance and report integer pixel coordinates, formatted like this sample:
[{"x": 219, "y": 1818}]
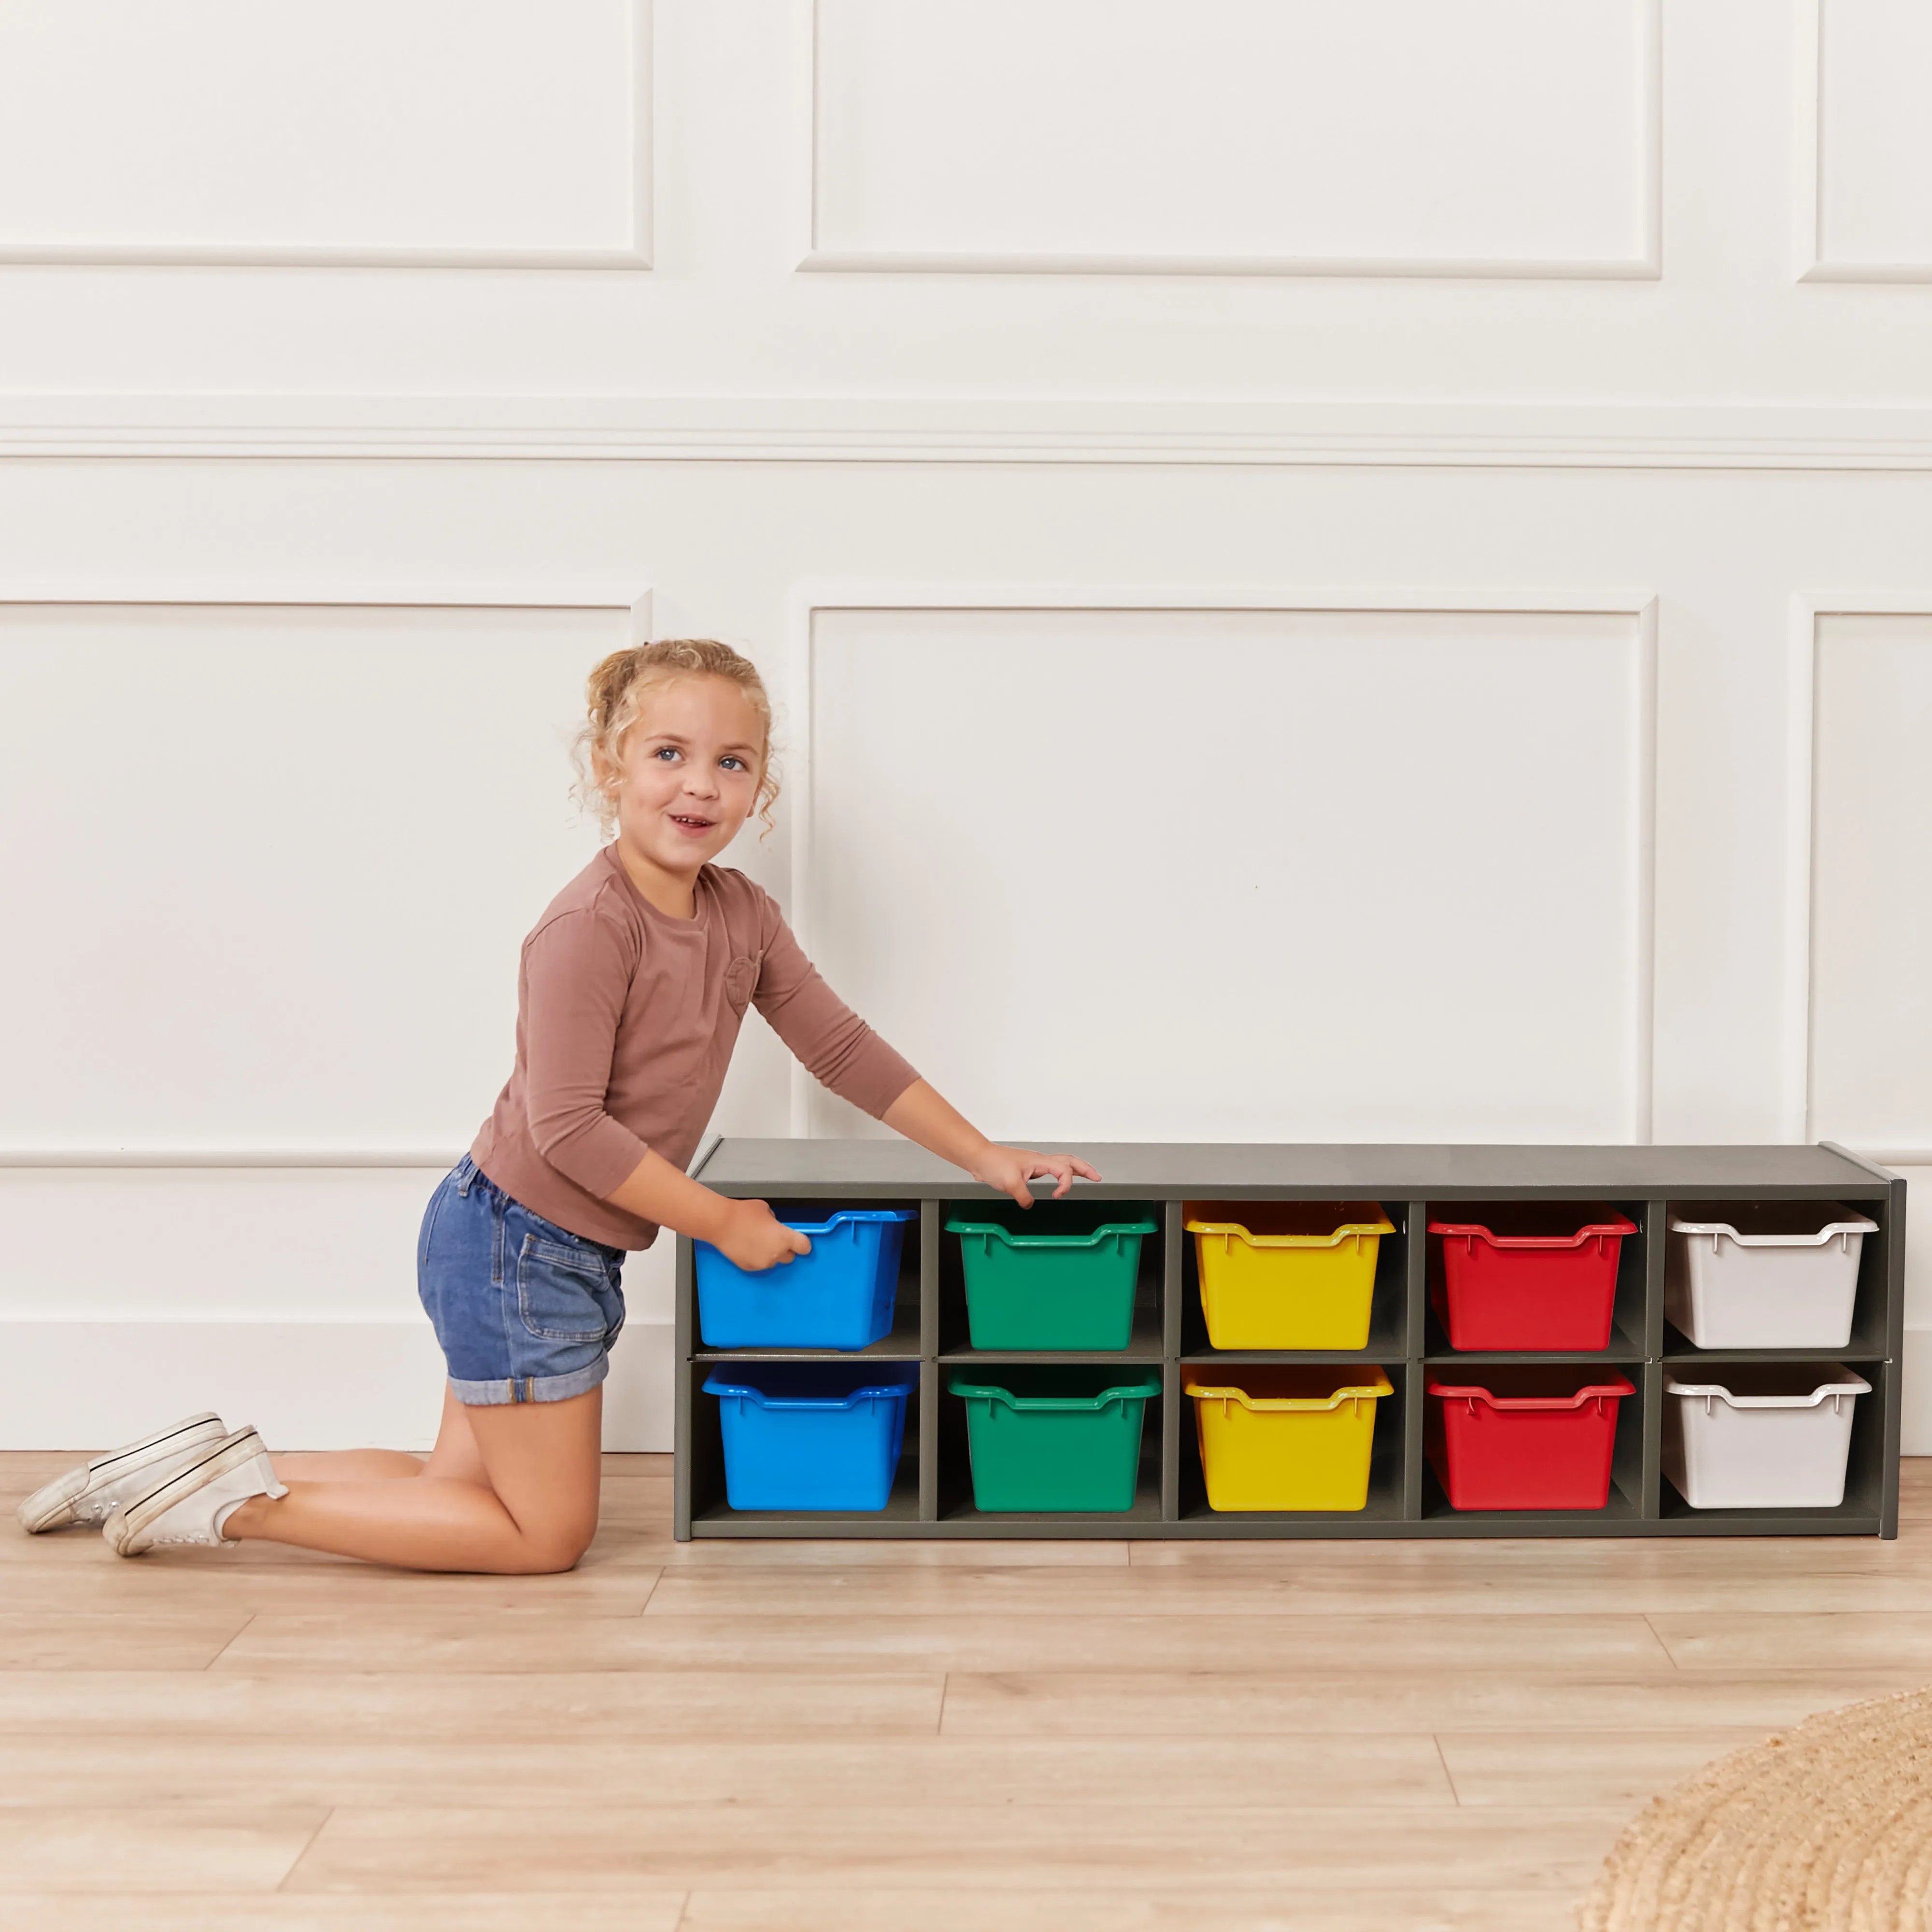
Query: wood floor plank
[
  {"x": 1313, "y": 1586},
  {"x": 1822, "y": 1574},
  {"x": 68, "y": 1639},
  {"x": 320, "y": 1705},
  {"x": 177, "y": 1585},
  {"x": 880, "y": 1640},
  {"x": 1387, "y": 1769},
  {"x": 1131, "y": 1704},
  {"x": 1845, "y": 1640},
  {"x": 791, "y": 1554},
  {"x": 987, "y": 1850},
  {"x": 1582, "y": 1768},
  {"x": 143, "y": 1911},
  {"x": 1211, "y": 1905},
  {"x": 173, "y": 1849}
]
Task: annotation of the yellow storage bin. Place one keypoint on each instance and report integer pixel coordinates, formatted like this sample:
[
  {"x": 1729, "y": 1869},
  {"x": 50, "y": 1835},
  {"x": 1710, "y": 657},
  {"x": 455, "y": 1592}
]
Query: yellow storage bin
[
  {"x": 1287, "y": 1274},
  {"x": 1286, "y": 1438}
]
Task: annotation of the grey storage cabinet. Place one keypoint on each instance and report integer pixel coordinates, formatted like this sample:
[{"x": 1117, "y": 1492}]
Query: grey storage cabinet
[{"x": 933, "y": 1496}]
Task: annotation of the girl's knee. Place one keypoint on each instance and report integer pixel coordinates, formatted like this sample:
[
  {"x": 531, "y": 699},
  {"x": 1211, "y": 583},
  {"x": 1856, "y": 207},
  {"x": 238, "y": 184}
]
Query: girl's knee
[{"x": 548, "y": 1553}]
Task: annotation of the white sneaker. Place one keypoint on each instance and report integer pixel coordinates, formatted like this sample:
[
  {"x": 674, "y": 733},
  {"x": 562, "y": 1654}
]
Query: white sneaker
[
  {"x": 92, "y": 1493},
  {"x": 191, "y": 1505}
]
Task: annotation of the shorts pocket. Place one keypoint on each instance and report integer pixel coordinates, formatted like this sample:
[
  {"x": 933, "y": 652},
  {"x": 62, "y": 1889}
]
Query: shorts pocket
[{"x": 566, "y": 1294}]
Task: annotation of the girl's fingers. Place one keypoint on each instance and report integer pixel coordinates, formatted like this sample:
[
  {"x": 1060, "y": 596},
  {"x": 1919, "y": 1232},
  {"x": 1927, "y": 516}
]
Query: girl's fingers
[{"x": 1064, "y": 1167}]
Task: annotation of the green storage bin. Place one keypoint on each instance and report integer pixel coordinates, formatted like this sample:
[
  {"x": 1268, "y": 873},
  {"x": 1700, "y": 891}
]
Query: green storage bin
[
  {"x": 1055, "y": 1439},
  {"x": 1058, "y": 1275}
]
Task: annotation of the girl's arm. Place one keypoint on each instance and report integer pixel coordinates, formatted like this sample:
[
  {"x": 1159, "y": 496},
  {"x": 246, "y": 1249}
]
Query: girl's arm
[
  {"x": 745, "y": 1232},
  {"x": 924, "y": 1114},
  {"x": 748, "y": 1233}
]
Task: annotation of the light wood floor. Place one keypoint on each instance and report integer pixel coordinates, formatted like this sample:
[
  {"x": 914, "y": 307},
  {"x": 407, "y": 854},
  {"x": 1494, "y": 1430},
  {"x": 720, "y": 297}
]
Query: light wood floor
[{"x": 1032, "y": 1737}]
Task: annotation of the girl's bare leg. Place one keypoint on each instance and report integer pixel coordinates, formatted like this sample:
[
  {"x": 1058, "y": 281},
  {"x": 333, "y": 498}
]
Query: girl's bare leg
[
  {"x": 347, "y": 1466},
  {"x": 510, "y": 1489}
]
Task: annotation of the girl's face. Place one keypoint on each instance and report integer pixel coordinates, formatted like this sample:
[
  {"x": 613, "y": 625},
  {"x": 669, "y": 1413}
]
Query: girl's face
[{"x": 689, "y": 775}]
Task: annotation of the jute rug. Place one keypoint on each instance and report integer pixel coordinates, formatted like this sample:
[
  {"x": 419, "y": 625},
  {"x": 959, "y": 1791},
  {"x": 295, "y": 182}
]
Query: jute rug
[{"x": 1825, "y": 1828}]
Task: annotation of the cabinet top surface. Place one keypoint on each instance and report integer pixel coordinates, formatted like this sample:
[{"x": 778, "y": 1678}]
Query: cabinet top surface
[{"x": 1129, "y": 1167}]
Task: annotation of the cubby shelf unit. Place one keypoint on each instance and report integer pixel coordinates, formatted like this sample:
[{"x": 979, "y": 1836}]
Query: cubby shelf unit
[{"x": 933, "y": 1495}]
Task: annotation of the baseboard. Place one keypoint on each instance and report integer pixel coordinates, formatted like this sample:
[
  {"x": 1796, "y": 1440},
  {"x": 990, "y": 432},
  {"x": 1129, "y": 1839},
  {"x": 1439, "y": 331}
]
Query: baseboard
[{"x": 305, "y": 1385}]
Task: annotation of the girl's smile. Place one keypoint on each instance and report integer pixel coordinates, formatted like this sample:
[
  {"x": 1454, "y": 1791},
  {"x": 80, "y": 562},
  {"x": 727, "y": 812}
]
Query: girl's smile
[{"x": 686, "y": 780}]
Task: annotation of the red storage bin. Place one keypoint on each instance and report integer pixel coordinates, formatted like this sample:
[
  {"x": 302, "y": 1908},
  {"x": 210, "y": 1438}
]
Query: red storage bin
[
  {"x": 1526, "y": 1274},
  {"x": 1525, "y": 1439}
]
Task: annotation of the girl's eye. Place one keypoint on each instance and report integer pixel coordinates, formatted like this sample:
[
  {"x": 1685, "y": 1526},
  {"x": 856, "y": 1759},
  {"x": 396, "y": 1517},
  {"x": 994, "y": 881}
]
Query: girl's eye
[
  {"x": 733, "y": 764},
  {"x": 665, "y": 751}
]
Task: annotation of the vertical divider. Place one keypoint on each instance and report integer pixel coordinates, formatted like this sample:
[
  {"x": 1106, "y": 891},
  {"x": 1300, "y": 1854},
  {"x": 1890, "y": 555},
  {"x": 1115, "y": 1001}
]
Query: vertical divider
[
  {"x": 1415, "y": 1339},
  {"x": 1172, "y": 1214},
  {"x": 1656, "y": 1240},
  {"x": 683, "y": 1327},
  {"x": 929, "y": 1393}
]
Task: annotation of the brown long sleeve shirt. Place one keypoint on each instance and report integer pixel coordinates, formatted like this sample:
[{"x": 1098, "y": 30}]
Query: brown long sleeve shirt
[{"x": 626, "y": 1021}]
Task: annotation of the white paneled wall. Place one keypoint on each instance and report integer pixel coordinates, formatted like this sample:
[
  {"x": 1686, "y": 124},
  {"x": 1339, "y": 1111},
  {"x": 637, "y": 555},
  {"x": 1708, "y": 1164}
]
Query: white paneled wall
[{"x": 1330, "y": 572}]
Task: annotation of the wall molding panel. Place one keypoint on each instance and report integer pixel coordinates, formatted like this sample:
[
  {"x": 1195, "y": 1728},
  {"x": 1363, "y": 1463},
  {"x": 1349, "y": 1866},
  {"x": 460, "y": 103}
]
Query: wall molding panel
[
  {"x": 284, "y": 985},
  {"x": 1801, "y": 854},
  {"x": 1103, "y": 46},
  {"x": 811, "y": 602},
  {"x": 209, "y": 165},
  {"x": 1897, "y": 165}
]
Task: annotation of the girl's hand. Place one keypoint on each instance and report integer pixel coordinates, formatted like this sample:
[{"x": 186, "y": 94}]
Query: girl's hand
[
  {"x": 755, "y": 1239},
  {"x": 1010, "y": 1169}
]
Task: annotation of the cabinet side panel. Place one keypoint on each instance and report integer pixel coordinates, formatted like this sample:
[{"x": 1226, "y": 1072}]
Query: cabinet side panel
[{"x": 683, "y": 1327}]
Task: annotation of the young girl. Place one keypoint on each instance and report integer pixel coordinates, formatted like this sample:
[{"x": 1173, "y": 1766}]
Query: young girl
[{"x": 632, "y": 988}]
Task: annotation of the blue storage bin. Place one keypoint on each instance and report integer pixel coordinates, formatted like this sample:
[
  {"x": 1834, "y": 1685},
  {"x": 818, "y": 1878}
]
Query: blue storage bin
[
  {"x": 811, "y": 1435},
  {"x": 839, "y": 1296}
]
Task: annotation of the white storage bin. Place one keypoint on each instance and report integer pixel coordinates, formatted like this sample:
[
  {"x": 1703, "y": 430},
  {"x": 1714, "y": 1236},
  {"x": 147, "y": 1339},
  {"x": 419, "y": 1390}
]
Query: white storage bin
[
  {"x": 1764, "y": 1274},
  {"x": 1767, "y": 1435}
]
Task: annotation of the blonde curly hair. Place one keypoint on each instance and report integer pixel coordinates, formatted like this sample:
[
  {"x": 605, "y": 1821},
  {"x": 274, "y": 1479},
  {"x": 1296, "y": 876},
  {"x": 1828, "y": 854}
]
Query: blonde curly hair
[{"x": 616, "y": 690}]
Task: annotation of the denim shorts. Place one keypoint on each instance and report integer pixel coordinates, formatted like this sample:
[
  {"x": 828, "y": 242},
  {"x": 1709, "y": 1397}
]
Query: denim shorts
[{"x": 525, "y": 1310}]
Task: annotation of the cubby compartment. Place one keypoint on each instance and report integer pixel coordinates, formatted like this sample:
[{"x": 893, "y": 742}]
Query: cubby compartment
[
  {"x": 1509, "y": 1280},
  {"x": 1321, "y": 1441},
  {"x": 1320, "y": 1280},
  {"x": 1512, "y": 1441},
  {"x": 1774, "y": 1279},
  {"x": 1062, "y": 1280},
  {"x": 706, "y": 1470},
  {"x": 1761, "y": 1435},
  {"x": 1027, "y": 1440},
  {"x": 857, "y": 1293}
]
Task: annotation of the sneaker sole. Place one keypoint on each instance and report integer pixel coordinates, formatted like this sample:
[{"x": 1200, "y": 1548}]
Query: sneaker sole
[
  {"x": 134, "y": 1517},
  {"x": 52, "y": 1506}
]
